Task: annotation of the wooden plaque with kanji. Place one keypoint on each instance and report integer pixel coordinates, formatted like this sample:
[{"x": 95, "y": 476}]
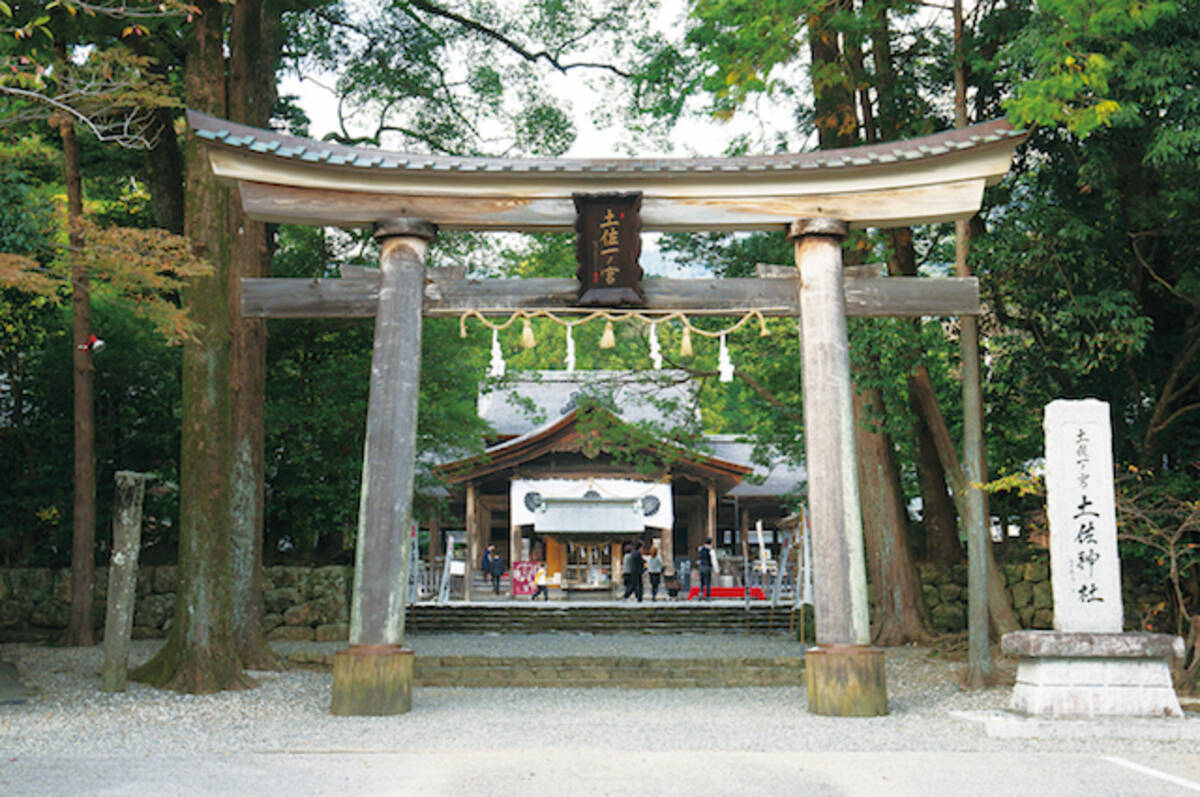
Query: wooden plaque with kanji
[{"x": 607, "y": 245}]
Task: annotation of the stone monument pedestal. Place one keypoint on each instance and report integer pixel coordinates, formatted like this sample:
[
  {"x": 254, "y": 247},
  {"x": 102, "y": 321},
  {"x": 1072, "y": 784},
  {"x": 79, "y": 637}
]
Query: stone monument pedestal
[{"x": 1085, "y": 674}]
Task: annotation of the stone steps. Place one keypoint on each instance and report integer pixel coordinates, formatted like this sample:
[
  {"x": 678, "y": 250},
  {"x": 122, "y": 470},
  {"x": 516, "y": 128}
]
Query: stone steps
[
  {"x": 597, "y": 619},
  {"x": 610, "y": 672}
]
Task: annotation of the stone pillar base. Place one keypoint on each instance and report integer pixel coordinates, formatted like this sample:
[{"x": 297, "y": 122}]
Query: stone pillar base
[
  {"x": 372, "y": 680},
  {"x": 1063, "y": 675},
  {"x": 845, "y": 681}
]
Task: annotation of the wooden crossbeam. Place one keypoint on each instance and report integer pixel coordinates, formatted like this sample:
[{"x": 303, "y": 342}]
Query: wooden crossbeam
[{"x": 448, "y": 294}]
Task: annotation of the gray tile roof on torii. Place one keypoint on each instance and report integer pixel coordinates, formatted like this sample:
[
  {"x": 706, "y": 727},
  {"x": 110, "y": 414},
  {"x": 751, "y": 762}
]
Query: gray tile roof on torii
[
  {"x": 285, "y": 178},
  {"x": 280, "y": 145}
]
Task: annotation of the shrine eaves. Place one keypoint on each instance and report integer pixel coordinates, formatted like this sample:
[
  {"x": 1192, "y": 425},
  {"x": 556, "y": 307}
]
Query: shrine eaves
[{"x": 288, "y": 179}]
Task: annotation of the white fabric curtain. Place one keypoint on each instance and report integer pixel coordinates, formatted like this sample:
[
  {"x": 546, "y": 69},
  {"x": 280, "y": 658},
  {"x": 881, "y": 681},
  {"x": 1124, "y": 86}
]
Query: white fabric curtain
[{"x": 522, "y": 513}]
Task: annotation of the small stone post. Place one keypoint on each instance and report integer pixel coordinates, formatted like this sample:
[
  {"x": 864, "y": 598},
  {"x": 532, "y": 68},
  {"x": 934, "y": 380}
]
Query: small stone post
[
  {"x": 845, "y": 676},
  {"x": 122, "y": 579},
  {"x": 374, "y": 676}
]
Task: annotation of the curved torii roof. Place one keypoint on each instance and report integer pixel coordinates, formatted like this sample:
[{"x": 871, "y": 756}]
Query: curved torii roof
[{"x": 285, "y": 178}]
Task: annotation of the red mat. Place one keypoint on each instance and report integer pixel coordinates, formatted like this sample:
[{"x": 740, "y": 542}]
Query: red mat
[{"x": 730, "y": 592}]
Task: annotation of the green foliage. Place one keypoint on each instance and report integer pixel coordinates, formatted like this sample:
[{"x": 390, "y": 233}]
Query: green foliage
[
  {"x": 27, "y": 225},
  {"x": 137, "y": 428},
  {"x": 1073, "y": 50},
  {"x": 646, "y": 448},
  {"x": 1090, "y": 264},
  {"x": 318, "y": 375},
  {"x": 742, "y": 41}
]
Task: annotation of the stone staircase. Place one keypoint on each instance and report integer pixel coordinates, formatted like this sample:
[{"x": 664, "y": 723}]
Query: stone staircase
[
  {"x": 506, "y": 616},
  {"x": 664, "y": 617}
]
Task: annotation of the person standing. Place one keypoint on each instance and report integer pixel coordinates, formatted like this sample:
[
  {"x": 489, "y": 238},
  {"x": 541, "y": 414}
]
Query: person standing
[
  {"x": 625, "y": 561},
  {"x": 539, "y": 579},
  {"x": 706, "y": 563},
  {"x": 493, "y": 567},
  {"x": 637, "y": 565},
  {"x": 654, "y": 566}
]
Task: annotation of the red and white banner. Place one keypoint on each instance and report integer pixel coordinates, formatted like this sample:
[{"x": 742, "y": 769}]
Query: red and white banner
[{"x": 522, "y": 578}]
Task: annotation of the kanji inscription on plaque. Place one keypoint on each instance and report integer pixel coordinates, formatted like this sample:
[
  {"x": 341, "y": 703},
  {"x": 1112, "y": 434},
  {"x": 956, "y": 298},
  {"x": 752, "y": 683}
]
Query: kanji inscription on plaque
[{"x": 607, "y": 245}]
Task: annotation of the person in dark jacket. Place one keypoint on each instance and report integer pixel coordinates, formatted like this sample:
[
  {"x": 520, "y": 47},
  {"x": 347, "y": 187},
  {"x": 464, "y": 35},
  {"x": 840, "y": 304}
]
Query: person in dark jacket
[
  {"x": 493, "y": 566},
  {"x": 704, "y": 563},
  {"x": 637, "y": 564}
]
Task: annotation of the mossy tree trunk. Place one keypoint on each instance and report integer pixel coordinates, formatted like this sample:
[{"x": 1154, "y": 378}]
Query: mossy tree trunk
[
  {"x": 898, "y": 607},
  {"x": 254, "y": 44},
  {"x": 941, "y": 528},
  {"x": 200, "y": 656}
]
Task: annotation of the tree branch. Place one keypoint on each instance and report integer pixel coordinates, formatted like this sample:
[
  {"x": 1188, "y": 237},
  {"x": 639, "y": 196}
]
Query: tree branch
[
  {"x": 751, "y": 382},
  {"x": 131, "y": 132},
  {"x": 1133, "y": 247},
  {"x": 495, "y": 35}
]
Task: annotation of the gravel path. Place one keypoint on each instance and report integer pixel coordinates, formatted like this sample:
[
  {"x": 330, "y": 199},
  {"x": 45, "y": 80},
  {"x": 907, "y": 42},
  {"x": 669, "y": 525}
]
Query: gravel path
[{"x": 290, "y": 710}]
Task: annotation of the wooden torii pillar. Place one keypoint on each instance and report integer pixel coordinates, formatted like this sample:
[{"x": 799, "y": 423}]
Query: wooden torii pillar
[
  {"x": 374, "y": 675},
  {"x": 815, "y": 196},
  {"x": 844, "y": 676}
]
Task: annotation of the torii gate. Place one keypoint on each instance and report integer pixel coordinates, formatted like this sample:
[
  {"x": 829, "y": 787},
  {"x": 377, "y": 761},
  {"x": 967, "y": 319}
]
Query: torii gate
[{"x": 815, "y": 197}]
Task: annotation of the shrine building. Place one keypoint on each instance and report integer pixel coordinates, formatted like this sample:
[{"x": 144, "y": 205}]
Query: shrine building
[{"x": 585, "y": 462}]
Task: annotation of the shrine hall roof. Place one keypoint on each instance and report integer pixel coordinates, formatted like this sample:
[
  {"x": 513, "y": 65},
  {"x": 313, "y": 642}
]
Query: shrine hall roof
[{"x": 560, "y": 434}]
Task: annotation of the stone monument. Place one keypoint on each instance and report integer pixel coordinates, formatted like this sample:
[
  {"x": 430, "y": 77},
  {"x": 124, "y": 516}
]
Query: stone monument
[{"x": 1087, "y": 666}]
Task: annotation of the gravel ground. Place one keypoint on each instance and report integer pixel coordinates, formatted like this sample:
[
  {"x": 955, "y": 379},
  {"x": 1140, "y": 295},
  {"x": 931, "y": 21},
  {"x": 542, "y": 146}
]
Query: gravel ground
[{"x": 289, "y": 712}]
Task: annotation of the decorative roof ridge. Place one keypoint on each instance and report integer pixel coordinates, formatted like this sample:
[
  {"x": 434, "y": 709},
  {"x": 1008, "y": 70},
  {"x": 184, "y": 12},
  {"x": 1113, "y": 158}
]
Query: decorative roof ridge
[{"x": 218, "y": 132}]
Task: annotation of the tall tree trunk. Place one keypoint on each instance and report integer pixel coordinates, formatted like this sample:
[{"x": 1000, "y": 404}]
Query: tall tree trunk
[
  {"x": 253, "y": 50},
  {"x": 981, "y": 564},
  {"x": 164, "y": 174},
  {"x": 999, "y": 603},
  {"x": 163, "y": 170},
  {"x": 83, "y": 539},
  {"x": 941, "y": 528},
  {"x": 942, "y": 545},
  {"x": 200, "y": 656},
  {"x": 899, "y": 607},
  {"x": 836, "y": 120}
]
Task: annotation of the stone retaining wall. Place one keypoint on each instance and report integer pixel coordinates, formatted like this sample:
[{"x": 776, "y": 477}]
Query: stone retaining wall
[
  {"x": 305, "y": 603},
  {"x": 945, "y": 590},
  {"x": 300, "y": 603}
]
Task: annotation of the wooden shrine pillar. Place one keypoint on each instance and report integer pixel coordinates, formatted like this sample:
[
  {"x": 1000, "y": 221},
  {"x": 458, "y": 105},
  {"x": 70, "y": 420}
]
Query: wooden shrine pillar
[
  {"x": 845, "y": 676},
  {"x": 695, "y": 529},
  {"x": 667, "y": 549},
  {"x": 374, "y": 676},
  {"x": 485, "y": 527},
  {"x": 743, "y": 542},
  {"x": 474, "y": 539},
  {"x": 437, "y": 545},
  {"x": 710, "y": 515},
  {"x": 514, "y": 544}
]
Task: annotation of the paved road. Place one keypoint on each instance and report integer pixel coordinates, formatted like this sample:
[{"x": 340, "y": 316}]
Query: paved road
[{"x": 601, "y": 771}]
